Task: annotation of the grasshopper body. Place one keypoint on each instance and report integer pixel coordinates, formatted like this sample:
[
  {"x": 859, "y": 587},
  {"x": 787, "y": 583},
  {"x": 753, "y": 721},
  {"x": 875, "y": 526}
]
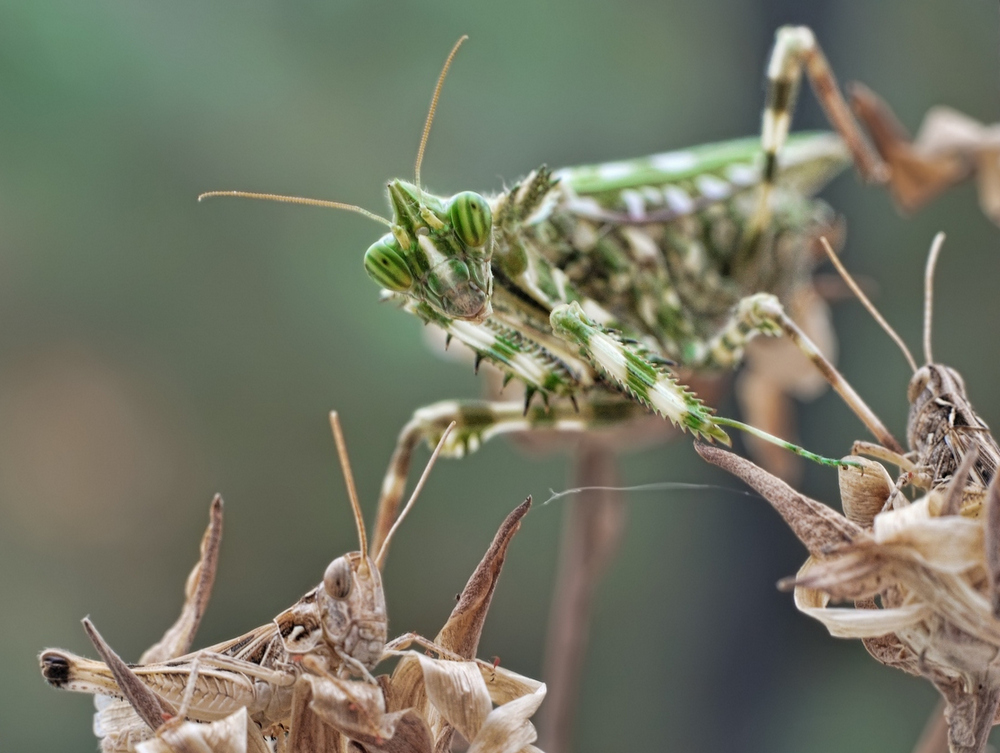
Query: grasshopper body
[
  {"x": 337, "y": 630},
  {"x": 943, "y": 427},
  {"x": 342, "y": 622}
]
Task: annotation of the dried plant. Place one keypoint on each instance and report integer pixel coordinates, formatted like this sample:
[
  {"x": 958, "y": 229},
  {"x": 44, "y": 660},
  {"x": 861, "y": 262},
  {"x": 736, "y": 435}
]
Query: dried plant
[
  {"x": 924, "y": 579},
  {"x": 292, "y": 681},
  {"x": 950, "y": 147}
]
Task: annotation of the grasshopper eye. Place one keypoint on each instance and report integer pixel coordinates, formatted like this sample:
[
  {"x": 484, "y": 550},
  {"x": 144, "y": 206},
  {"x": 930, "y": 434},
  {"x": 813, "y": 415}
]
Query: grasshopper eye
[
  {"x": 385, "y": 265},
  {"x": 337, "y": 578},
  {"x": 918, "y": 383},
  {"x": 471, "y": 217}
]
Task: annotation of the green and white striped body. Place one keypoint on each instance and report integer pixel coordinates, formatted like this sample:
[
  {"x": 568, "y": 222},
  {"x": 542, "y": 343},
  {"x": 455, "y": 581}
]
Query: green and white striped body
[{"x": 600, "y": 277}]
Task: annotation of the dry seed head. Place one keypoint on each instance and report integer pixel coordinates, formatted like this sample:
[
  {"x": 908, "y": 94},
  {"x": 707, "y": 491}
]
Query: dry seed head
[{"x": 864, "y": 489}]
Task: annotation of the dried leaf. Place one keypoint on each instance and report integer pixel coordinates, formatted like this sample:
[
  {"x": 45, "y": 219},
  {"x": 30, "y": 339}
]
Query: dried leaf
[
  {"x": 816, "y": 525},
  {"x": 461, "y": 632},
  {"x": 197, "y": 592}
]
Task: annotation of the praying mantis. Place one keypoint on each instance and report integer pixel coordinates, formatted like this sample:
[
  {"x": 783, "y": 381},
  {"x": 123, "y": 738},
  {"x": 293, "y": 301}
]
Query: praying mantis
[{"x": 593, "y": 286}]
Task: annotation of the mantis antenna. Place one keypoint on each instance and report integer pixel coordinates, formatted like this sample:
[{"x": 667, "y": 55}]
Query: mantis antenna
[
  {"x": 932, "y": 258},
  {"x": 434, "y": 104},
  {"x": 856, "y": 289},
  {"x": 352, "y": 492},
  {"x": 297, "y": 200},
  {"x": 383, "y": 550}
]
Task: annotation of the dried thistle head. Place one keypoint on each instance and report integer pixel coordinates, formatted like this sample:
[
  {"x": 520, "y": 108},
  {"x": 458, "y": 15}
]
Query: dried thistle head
[
  {"x": 418, "y": 708},
  {"x": 925, "y": 582}
]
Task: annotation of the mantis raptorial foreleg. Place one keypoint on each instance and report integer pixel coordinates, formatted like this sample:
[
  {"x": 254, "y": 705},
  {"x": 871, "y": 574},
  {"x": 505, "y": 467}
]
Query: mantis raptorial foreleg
[{"x": 477, "y": 421}]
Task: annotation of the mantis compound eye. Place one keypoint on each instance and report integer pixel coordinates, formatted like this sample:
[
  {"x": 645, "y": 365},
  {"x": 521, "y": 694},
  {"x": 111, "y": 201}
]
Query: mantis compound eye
[
  {"x": 385, "y": 265},
  {"x": 471, "y": 217},
  {"x": 337, "y": 579}
]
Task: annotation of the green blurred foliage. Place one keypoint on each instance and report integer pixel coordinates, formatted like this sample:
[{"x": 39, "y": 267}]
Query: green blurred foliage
[{"x": 154, "y": 351}]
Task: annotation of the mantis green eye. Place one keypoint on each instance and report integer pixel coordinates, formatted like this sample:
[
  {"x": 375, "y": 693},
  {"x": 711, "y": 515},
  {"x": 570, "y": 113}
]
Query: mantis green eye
[
  {"x": 471, "y": 217},
  {"x": 385, "y": 265}
]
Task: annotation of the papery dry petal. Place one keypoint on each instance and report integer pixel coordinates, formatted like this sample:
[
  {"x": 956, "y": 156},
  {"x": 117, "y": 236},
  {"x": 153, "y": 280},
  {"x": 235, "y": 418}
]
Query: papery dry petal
[
  {"x": 457, "y": 690},
  {"x": 850, "y": 623},
  {"x": 816, "y": 525},
  {"x": 353, "y": 707},
  {"x": 856, "y": 574},
  {"x": 992, "y": 543},
  {"x": 955, "y": 600},
  {"x": 412, "y": 736},
  {"x": 951, "y": 544},
  {"x": 505, "y": 685},
  {"x": 507, "y": 729},
  {"x": 868, "y": 623},
  {"x": 306, "y": 730},
  {"x": 234, "y": 734},
  {"x": 863, "y": 490},
  {"x": 117, "y": 725},
  {"x": 461, "y": 632},
  {"x": 407, "y": 683}
]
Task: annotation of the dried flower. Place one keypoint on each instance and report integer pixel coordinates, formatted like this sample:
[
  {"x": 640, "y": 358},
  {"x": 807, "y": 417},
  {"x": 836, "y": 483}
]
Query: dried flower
[{"x": 924, "y": 581}]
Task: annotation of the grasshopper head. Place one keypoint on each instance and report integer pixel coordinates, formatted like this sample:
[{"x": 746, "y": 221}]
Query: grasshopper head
[
  {"x": 943, "y": 425},
  {"x": 438, "y": 252},
  {"x": 352, "y": 608}
]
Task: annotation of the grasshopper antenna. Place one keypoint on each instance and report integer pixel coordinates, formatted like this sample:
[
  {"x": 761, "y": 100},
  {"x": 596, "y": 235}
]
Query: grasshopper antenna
[
  {"x": 383, "y": 550},
  {"x": 352, "y": 492},
  {"x": 856, "y": 289},
  {"x": 932, "y": 258},
  {"x": 434, "y": 104},
  {"x": 296, "y": 200}
]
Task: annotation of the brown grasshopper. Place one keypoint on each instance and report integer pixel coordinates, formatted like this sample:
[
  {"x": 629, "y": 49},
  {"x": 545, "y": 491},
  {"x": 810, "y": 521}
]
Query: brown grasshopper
[
  {"x": 943, "y": 430},
  {"x": 336, "y": 631},
  {"x": 948, "y": 440},
  {"x": 933, "y": 564}
]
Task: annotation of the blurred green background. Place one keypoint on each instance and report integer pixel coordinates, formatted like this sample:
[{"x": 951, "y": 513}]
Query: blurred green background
[{"x": 154, "y": 351}]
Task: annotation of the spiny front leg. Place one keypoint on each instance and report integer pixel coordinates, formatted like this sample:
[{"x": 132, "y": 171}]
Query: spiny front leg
[
  {"x": 477, "y": 421},
  {"x": 638, "y": 371}
]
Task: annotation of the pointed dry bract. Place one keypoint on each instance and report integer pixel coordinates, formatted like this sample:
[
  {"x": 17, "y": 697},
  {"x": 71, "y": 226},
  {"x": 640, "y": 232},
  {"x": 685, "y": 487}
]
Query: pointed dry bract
[{"x": 427, "y": 699}]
